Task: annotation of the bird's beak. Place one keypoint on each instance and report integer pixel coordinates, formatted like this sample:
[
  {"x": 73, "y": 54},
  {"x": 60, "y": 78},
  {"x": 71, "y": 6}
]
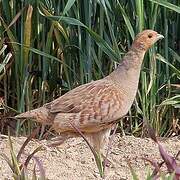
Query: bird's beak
[{"x": 159, "y": 36}]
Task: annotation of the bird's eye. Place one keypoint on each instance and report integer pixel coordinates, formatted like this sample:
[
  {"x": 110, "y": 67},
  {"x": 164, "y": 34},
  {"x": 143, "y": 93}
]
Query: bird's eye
[{"x": 150, "y": 35}]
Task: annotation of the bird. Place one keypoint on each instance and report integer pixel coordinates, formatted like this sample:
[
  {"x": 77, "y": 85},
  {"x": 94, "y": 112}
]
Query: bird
[{"x": 95, "y": 107}]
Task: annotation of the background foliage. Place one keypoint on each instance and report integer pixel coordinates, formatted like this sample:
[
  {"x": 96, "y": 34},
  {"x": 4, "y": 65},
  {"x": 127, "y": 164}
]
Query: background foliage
[{"x": 49, "y": 47}]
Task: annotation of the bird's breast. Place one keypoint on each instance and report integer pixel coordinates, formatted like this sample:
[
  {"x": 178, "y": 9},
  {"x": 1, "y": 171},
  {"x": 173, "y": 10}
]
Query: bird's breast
[{"x": 128, "y": 92}]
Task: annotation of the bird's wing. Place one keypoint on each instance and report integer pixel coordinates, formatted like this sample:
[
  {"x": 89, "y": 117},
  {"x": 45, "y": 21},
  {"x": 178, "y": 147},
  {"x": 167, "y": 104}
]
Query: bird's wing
[
  {"x": 72, "y": 101},
  {"x": 96, "y": 102}
]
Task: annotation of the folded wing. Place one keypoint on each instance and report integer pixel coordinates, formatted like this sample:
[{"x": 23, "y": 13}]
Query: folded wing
[{"x": 91, "y": 107}]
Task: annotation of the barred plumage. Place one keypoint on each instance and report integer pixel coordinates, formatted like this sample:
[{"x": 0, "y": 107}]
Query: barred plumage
[{"x": 94, "y": 107}]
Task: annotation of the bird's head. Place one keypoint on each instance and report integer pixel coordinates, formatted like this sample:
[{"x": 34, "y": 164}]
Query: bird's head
[{"x": 145, "y": 39}]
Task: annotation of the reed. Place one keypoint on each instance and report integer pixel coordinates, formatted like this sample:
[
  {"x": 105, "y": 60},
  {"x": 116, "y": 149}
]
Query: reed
[{"x": 58, "y": 45}]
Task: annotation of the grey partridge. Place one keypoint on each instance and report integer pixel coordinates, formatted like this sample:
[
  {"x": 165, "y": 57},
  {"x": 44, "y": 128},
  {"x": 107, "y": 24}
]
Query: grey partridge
[{"x": 94, "y": 107}]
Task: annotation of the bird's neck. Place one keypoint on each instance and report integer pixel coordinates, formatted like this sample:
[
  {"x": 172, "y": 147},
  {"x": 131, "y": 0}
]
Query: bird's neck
[
  {"x": 129, "y": 69},
  {"x": 133, "y": 59}
]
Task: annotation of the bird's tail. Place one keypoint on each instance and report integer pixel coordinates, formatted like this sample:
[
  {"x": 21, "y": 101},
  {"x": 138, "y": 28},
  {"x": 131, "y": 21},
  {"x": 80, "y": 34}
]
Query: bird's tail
[{"x": 41, "y": 115}]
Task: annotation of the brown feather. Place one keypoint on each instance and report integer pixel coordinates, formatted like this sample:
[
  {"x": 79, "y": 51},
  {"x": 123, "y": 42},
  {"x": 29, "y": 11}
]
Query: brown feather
[{"x": 94, "y": 107}]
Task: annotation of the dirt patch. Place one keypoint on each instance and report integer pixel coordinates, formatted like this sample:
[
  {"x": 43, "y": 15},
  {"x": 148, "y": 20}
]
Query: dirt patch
[{"x": 73, "y": 159}]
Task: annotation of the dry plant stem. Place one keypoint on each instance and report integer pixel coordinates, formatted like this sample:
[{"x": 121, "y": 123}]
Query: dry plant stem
[
  {"x": 32, "y": 135},
  {"x": 82, "y": 135},
  {"x": 29, "y": 157},
  {"x": 109, "y": 148}
]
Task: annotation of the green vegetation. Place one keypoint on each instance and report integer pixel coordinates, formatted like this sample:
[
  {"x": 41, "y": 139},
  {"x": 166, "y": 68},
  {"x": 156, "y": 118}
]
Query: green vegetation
[
  {"x": 19, "y": 169},
  {"x": 58, "y": 45},
  {"x": 170, "y": 162}
]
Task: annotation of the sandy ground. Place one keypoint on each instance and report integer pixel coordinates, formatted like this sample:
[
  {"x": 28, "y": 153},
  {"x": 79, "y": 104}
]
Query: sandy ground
[{"x": 74, "y": 161}]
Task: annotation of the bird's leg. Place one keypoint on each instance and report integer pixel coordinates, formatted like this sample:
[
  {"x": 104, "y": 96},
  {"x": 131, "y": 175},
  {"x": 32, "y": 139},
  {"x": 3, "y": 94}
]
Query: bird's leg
[
  {"x": 113, "y": 128},
  {"x": 99, "y": 140},
  {"x": 60, "y": 139}
]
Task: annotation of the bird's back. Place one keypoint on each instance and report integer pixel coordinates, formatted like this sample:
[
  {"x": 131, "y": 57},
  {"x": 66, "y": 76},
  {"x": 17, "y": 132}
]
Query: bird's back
[{"x": 91, "y": 107}]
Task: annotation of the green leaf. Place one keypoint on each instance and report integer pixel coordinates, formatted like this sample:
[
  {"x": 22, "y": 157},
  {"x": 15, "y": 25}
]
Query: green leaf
[
  {"x": 101, "y": 42},
  {"x": 4, "y": 156},
  {"x": 5, "y": 61},
  {"x": 15, "y": 163},
  {"x": 133, "y": 173},
  {"x": 171, "y": 101},
  {"x": 167, "y": 5},
  {"x": 68, "y": 6},
  {"x": 36, "y": 51},
  {"x": 67, "y": 20},
  {"x": 127, "y": 21},
  {"x": 161, "y": 58},
  {"x": 174, "y": 54}
]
